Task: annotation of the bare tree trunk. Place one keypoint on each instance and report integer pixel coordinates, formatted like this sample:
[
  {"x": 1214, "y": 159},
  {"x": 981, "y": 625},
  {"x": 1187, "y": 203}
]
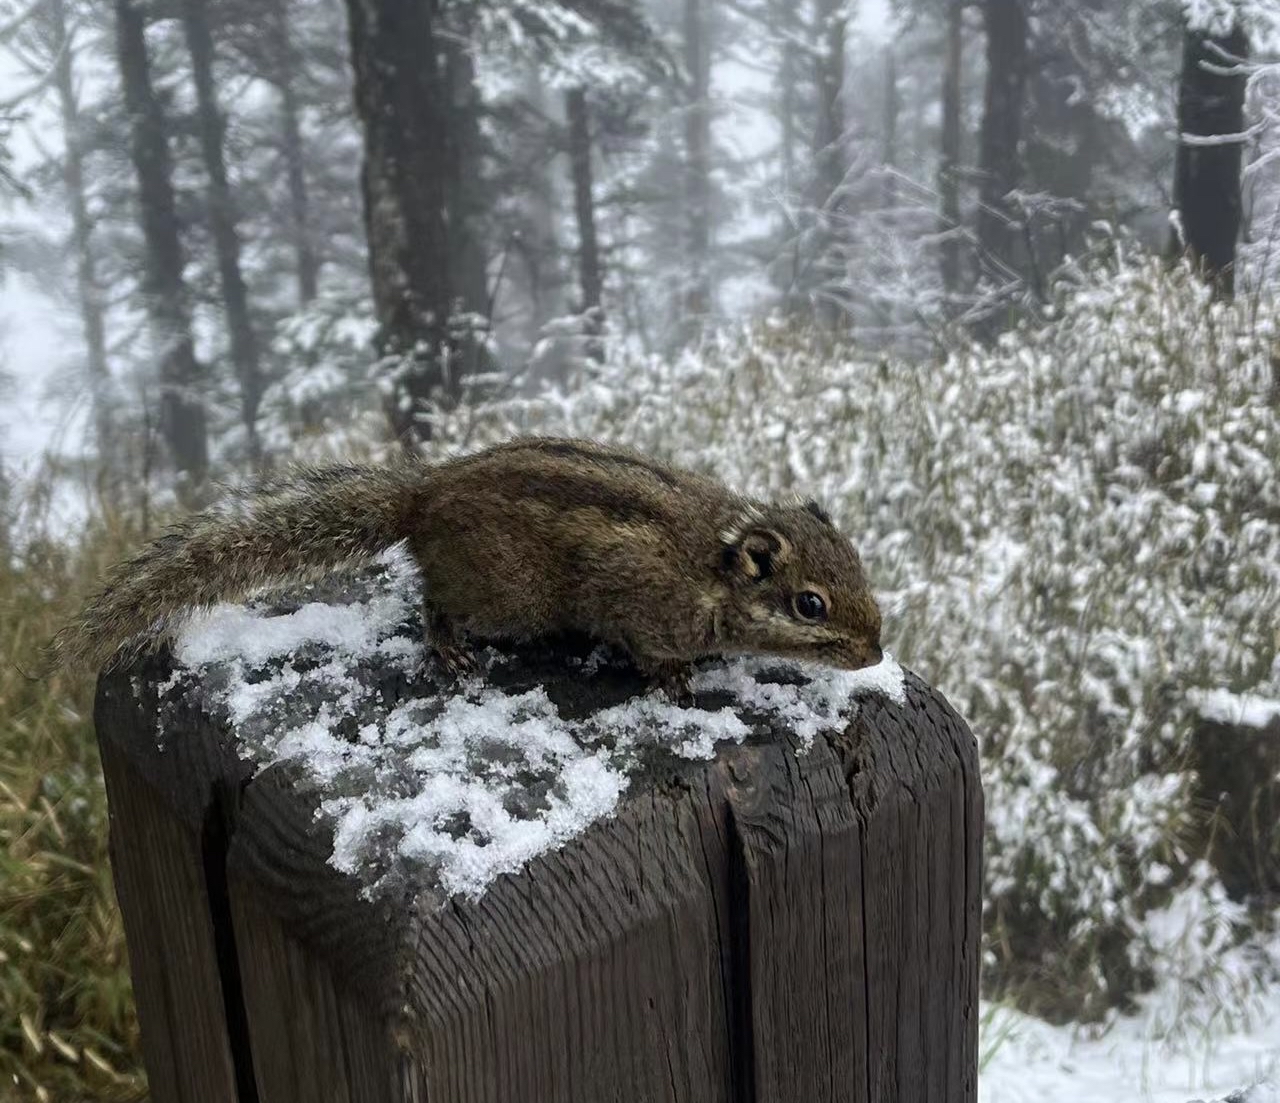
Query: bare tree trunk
[
  {"x": 889, "y": 150},
  {"x": 787, "y": 78},
  {"x": 830, "y": 153},
  {"x": 590, "y": 278},
  {"x": 1206, "y": 187},
  {"x": 222, "y": 221},
  {"x": 306, "y": 262},
  {"x": 697, "y": 136},
  {"x": 540, "y": 246},
  {"x": 402, "y": 103},
  {"x": 784, "y": 18},
  {"x": 1007, "y": 49},
  {"x": 829, "y": 135},
  {"x": 949, "y": 162},
  {"x": 73, "y": 177},
  {"x": 182, "y": 415},
  {"x": 466, "y": 199}
]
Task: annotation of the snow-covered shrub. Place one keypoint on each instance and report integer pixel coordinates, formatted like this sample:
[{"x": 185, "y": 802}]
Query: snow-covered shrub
[
  {"x": 1071, "y": 529},
  {"x": 326, "y": 401}
]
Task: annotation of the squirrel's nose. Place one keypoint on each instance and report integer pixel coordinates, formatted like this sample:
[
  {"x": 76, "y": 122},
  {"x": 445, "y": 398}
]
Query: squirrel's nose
[{"x": 865, "y": 657}]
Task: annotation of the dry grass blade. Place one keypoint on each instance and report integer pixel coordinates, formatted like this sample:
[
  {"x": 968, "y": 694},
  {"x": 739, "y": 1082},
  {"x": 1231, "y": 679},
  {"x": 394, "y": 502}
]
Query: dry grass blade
[{"x": 67, "y": 1026}]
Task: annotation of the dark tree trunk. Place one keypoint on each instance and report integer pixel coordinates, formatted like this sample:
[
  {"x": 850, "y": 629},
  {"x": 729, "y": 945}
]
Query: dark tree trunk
[
  {"x": 590, "y": 277},
  {"x": 306, "y": 262},
  {"x": 1003, "y": 109},
  {"x": 949, "y": 162},
  {"x": 182, "y": 415},
  {"x": 87, "y": 293},
  {"x": 1206, "y": 189},
  {"x": 401, "y": 101},
  {"x": 222, "y": 220},
  {"x": 697, "y": 136}
]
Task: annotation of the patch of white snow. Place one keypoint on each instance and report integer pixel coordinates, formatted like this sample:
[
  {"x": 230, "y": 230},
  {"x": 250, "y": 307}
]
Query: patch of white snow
[
  {"x": 468, "y": 787},
  {"x": 1245, "y": 710}
]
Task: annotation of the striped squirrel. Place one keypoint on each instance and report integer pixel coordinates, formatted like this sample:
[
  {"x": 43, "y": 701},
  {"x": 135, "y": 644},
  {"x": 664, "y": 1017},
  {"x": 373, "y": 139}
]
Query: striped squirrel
[{"x": 530, "y": 537}]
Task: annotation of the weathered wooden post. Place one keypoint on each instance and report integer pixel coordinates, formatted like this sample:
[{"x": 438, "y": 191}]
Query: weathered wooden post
[{"x": 794, "y": 919}]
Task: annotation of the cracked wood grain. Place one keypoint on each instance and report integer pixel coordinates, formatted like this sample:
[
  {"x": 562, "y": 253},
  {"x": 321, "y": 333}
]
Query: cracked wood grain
[{"x": 776, "y": 926}]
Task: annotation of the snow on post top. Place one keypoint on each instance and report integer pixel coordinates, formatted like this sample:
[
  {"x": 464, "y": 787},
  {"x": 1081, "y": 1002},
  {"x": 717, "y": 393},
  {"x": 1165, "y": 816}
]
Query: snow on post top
[{"x": 430, "y": 785}]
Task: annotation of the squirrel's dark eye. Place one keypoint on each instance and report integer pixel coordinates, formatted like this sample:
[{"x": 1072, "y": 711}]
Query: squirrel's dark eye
[{"x": 810, "y": 606}]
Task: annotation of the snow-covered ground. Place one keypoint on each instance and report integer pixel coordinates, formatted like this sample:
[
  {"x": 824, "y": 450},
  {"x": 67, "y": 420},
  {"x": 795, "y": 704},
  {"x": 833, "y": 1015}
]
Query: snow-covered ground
[
  {"x": 1028, "y": 1061},
  {"x": 1181, "y": 1045}
]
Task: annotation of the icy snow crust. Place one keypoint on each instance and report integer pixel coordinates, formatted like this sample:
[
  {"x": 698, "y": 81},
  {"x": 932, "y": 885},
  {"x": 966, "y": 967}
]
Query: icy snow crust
[{"x": 452, "y": 790}]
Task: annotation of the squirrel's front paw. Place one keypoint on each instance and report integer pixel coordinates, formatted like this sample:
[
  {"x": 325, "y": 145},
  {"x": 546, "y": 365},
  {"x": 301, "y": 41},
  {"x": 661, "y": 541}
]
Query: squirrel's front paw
[{"x": 458, "y": 660}]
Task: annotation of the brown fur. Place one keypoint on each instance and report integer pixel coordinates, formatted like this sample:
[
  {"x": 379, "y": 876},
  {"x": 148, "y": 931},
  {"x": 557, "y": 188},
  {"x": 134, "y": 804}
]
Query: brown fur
[{"x": 527, "y": 538}]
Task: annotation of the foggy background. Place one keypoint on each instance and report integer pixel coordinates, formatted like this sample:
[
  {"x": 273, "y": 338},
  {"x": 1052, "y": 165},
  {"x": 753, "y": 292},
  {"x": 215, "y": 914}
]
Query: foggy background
[{"x": 856, "y": 164}]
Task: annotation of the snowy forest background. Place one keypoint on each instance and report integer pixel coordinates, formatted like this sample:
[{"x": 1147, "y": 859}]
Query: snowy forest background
[{"x": 996, "y": 278}]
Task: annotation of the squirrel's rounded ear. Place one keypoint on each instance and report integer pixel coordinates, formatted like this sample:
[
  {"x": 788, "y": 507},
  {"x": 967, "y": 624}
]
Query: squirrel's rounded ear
[{"x": 756, "y": 554}]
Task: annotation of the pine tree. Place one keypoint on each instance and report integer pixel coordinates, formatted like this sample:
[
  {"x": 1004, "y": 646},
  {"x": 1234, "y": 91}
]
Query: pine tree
[
  {"x": 401, "y": 101},
  {"x": 1004, "y": 109},
  {"x": 181, "y": 375},
  {"x": 697, "y": 141},
  {"x": 222, "y": 220},
  {"x": 949, "y": 159},
  {"x": 63, "y": 48},
  {"x": 284, "y": 75},
  {"x": 590, "y": 273}
]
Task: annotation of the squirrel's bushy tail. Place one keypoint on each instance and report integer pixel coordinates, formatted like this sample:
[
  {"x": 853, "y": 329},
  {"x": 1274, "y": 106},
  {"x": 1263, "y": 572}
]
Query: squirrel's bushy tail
[{"x": 300, "y": 525}]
